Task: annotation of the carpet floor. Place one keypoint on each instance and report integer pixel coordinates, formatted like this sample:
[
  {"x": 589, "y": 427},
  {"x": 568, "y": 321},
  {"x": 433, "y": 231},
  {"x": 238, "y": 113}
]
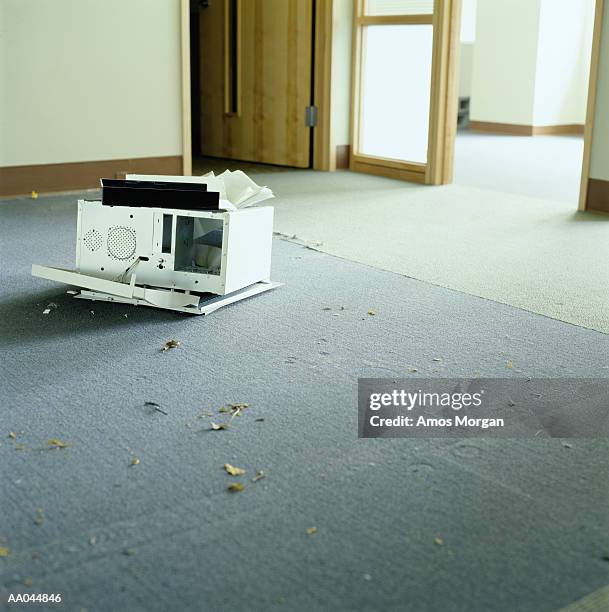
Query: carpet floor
[
  {"x": 535, "y": 254},
  {"x": 525, "y": 523},
  {"x": 544, "y": 167}
]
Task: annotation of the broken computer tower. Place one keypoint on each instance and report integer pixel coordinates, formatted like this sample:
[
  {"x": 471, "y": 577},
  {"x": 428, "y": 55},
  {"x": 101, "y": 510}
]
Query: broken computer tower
[{"x": 168, "y": 244}]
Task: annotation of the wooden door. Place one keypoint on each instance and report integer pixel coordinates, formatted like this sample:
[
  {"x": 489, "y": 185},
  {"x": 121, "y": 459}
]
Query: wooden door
[
  {"x": 256, "y": 68},
  {"x": 404, "y": 95}
]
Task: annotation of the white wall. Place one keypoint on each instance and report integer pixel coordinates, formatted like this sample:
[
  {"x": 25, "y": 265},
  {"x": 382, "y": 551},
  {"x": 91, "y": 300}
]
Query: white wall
[
  {"x": 531, "y": 61},
  {"x": 504, "y": 63},
  {"x": 563, "y": 62},
  {"x": 341, "y": 70},
  {"x": 468, "y": 39},
  {"x": 84, "y": 80},
  {"x": 469, "y": 8}
]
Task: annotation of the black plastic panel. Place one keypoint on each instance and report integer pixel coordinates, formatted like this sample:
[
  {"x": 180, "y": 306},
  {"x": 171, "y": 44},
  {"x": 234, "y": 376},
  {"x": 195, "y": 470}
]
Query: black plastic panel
[{"x": 159, "y": 194}]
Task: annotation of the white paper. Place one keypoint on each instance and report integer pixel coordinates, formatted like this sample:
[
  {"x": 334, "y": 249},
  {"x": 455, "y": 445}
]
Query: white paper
[{"x": 237, "y": 190}]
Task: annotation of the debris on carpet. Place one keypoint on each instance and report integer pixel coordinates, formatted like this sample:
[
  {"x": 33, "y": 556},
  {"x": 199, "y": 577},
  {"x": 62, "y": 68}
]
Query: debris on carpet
[
  {"x": 218, "y": 426},
  {"x": 170, "y": 344},
  {"x": 56, "y": 443},
  {"x": 50, "y": 306},
  {"x": 232, "y": 470},
  {"x": 157, "y": 407}
]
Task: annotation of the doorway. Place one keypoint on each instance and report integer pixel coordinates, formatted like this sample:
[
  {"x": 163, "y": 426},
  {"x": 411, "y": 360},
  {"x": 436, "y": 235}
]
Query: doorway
[
  {"x": 406, "y": 93},
  {"x": 523, "y": 87},
  {"x": 258, "y": 97}
]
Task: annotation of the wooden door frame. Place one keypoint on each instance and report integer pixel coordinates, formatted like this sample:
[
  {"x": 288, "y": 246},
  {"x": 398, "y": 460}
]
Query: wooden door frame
[
  {"x": 438, "y": 170},
  {"x": 185, "y": 87},
  {"x": 324, "y": 151},
  {"x": 591, "y": 108},
  {"x": 444, "y": 83}
]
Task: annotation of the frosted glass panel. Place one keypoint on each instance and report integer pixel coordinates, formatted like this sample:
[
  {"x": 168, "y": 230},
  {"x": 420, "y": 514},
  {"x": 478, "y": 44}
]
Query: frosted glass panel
[
  {"x": 398, "y": 7},
  {"x": 396, "y": 92}
]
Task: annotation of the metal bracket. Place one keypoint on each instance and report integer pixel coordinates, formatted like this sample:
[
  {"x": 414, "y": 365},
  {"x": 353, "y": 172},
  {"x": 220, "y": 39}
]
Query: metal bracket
[{"x": 311, "y": 116}]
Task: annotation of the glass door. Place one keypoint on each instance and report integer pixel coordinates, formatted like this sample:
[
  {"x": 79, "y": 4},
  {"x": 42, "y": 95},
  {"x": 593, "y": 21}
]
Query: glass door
[{"x": 404, "y": 94}]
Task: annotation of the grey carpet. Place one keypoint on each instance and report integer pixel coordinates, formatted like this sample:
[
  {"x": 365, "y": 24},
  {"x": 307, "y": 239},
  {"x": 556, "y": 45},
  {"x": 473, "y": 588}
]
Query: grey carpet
[{"x": 525, "y": 523}]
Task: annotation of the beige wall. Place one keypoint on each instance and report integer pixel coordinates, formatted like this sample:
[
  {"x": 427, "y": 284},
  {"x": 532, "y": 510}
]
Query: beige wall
[
  {"x": 84, "y": 80},
  {"x": 599, "y": 162}
]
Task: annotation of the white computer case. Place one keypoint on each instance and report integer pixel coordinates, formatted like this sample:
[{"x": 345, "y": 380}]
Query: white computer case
[{"x": 188, "y": 260}]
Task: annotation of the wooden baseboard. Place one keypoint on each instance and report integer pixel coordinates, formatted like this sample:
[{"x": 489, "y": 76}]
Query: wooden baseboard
[
  {"x": 343, "y": 157},
  {"x": 550, "y": 130},
  {"x": 514, "y": 129},
  {"x": 597, "y": 195},
  {"x": 22, "y": 180},
  {"x": 389, "y": 172}
]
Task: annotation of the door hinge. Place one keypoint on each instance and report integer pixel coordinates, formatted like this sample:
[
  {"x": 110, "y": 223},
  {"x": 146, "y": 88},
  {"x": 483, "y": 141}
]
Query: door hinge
[{"x": 311, "y": 116}]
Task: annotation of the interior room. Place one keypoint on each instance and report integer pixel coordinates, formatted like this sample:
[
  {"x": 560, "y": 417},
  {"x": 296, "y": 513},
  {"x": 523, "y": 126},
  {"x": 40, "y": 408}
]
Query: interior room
[
  {"x": 333, "y": 333},
  {"x": 523, "y": 88}
]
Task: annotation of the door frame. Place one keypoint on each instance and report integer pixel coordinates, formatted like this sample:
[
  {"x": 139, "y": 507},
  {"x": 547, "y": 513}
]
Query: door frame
[
  {"x": 438, "y": 170},
  {"x": 441, "y": 137},
  {"x": 324, "y": 151}
]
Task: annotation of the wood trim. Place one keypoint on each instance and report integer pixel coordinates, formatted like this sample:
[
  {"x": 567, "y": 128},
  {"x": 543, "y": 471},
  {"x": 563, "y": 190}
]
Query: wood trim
[
  {"x": 357, "y": 52},
  {"x": 597, "y": 196},
  {"x": 514, "y": 129},
  {"x": 556, "y": 130},
  {"x": 444, "y": 92},
  {"x": 394, "y": 173},
  {"x": 511, "y": 129},
  {"x": 387, "y": 162},
  {"x": 324, "y": 153},
  {"x": 343, "y": 157},
  {"x": 22, "y": 180},
  {"x": 592, "y": 90},
  {"x": 368, "y": 20},
  {"x": 186, "y": 165},
  {"x": 444, "y": 95}
]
